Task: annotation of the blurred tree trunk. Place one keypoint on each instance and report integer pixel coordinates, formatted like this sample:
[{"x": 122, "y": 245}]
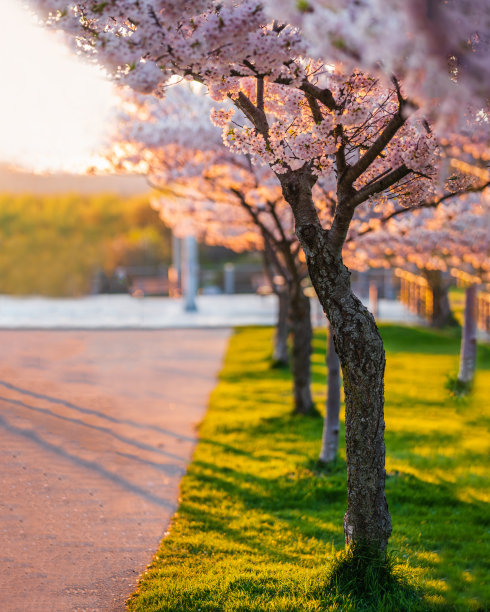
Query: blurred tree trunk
[
  {"x": 281, "y": 354},
  {"x": 441, "y": 310},
  {"x": 331, "y": 425},
  {"x": 467, "y": 359},
  {"x": 300, "y": 318}
]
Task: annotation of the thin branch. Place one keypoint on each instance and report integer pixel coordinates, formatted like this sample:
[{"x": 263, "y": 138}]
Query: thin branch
[
  {"x": 272, "y": 210},
  {"x": 394, "y": 124},
  {"x": 355, "y": 171},
  {"x": 380, "y": 185},
  {"x": 253, "y": 214},
  {"x": 426, "y": 204},
  {"x": 378, "y": 176},
  {"x": 249, "y": 65}
]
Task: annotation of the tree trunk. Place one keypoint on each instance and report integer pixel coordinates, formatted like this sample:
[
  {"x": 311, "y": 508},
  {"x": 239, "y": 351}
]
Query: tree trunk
[
  {"x": 441, "y": 310},
  {"x": 331, "y": 426},
  {"x": 300, "y": 319},
  {"x": 281, "y": 355},
  {"x": 467, "y": 359},
  {"x": 361, "y": 353}
]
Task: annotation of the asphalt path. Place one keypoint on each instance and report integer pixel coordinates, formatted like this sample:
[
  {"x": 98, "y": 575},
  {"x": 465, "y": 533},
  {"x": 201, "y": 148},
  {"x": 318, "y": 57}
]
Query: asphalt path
[{"x": 96, "y": 430}]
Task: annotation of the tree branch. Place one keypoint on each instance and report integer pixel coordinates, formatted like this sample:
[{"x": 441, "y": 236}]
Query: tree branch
[
  {"x": 395, "y": 123},
  {"x": 324, "y": 96},
  {"x": 272, "y": 210},
  {"x": 340, "y": 154},
  {"x": 260, "y": 94},
  {"x": 315, "y": 108},
  {"x": 253, "y": 214},
  {"x": 255, "y": 115},
  {"x": 380, "y": 185},
  {"x": 375, "y": 149},
  {"x": 340, "y": 225},
  {"x": 426, "y": 204}
]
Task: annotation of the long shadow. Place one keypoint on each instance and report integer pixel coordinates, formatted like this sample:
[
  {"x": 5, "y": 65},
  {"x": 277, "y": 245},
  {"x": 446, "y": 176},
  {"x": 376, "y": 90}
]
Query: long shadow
[
  {"x": 107, "y": 417},
  {"x": 105, "y": 430},
  {"x": 291, "y": 500},
  {"x": 442, "y": 533},
  {"x": 299, "y": 491},
  {"x": 167, "y": 468},
  {"x": 306, "y": 504},
  {"x": 90, "y": 465},
  {"x": 226, "y": 447}
]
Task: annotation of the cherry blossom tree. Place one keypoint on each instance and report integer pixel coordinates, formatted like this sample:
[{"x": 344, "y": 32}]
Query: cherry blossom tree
[
  {"x": 307, "y": 120},
  {"x": 439, "y": 49},
  {"x": 450, "y": 236},
  {"x": 236, "y": 220},
  {"x": 221, "y": 198}
]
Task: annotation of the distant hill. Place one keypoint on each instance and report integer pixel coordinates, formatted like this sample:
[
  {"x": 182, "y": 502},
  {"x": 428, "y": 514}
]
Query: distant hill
[{"x": 13, "y": 181}]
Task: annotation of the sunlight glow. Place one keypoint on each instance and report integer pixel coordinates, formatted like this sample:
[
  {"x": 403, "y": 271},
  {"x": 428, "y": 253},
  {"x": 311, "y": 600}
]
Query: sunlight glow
[{"x": 54, "y": 108}]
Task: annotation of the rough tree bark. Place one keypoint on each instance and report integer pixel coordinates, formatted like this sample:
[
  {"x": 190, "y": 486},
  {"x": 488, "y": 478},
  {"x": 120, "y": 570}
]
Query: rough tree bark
[
  {"x": 360, "y": 349},
  {"x": 300, "y": 321},
  {"x": 331, "y": 424},
  {"x": 467, "y": 359},
  {"x": 441, "y": 310}
]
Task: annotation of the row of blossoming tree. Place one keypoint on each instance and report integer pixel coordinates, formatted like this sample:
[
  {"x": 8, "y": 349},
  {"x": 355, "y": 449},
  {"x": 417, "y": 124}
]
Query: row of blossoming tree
[
  {"x": 221, "y": 198},
  {"x": 322, "y": 101}
]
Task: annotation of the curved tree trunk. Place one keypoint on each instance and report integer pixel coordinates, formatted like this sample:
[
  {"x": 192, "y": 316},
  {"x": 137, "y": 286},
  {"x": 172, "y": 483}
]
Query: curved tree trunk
[
  {"x": 441, "y": 310},
  {"x": 331, "y": 425},
  {"x": 278, "y": 258},
  {"x": 281, "y": 354},
  {"x": 361, "y": 353},
  {"x": 300, "y": 320},
  {"x": 467, "y": 359}
]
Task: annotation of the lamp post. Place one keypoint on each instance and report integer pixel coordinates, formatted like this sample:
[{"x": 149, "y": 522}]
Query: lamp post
[{"x": 190, "y": 280}]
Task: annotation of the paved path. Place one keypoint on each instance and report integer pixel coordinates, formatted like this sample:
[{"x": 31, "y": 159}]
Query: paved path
[
  {"x": 124, "y": 311},
  {"x": 96, "y": 429}
]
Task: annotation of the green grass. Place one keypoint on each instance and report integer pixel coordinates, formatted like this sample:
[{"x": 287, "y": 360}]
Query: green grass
[{"x": 259, "y": 527}]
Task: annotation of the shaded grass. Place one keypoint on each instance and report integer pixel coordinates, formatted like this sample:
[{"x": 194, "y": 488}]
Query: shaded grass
[{"x": 259, "y": 524}]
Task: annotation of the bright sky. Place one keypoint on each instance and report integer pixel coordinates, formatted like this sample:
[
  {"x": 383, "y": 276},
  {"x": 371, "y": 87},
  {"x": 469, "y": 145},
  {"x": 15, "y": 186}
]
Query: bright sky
[{"x": 54, "y": 108}]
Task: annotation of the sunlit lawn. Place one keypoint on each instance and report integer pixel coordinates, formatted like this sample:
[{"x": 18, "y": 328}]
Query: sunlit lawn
[{"x": 258, "y": 523}]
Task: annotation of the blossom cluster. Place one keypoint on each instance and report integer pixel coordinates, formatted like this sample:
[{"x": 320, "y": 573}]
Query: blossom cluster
[
  {"x": 440, "y": 49},
  {"x": 232, "y": 48},
  {"x": 174, "y": 143},
  {"x": 455, "y": 234},
  {"x": 143, "y": 44}
]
